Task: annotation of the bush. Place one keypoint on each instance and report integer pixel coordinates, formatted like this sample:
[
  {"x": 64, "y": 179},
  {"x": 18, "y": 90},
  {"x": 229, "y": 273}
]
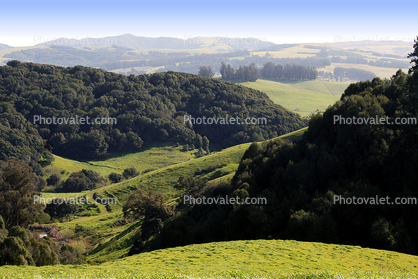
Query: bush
[
  {"x": 81, "y": 181},
  {"x": 59, "y": 210},
  {"x": 53, "y": 180},
  {"x": 130, "y": 172},
  {"x": 115, "y": 177}
]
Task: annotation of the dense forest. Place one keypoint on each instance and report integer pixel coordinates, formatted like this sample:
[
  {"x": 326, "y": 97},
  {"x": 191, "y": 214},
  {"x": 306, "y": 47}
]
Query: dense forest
[
  {"x": 147, "y": 109},
  {"x": 300, "y": 180}
]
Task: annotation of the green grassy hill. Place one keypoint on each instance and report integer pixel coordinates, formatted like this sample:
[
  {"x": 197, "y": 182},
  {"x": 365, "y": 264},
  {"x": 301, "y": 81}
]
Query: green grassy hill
[
  {"x": 221, "y": 165},
  {"x": 241, "y": 259},
  {"x": 303, "y": 97},
  {"x": 152, "y": 157}
]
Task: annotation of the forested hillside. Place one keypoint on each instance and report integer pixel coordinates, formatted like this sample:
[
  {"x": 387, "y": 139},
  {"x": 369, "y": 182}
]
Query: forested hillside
[
  {"x": 300, "y": 180},
  {"x": 147, "y": 109}
]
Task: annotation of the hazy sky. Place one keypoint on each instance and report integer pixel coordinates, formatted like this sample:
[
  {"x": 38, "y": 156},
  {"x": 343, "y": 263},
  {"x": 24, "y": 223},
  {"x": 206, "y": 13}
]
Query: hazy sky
[{"x": 26, "y": 23}]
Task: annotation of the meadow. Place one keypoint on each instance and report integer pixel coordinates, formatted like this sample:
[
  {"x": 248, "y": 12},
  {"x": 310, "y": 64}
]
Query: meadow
[
  {"x": 240, "y": 259},
  {"x": 303, "y": 97},
  {"x": 151, "y": 157}
]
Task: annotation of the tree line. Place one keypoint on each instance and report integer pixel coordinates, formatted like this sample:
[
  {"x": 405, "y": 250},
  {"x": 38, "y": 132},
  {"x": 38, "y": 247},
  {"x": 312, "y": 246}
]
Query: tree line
[
  {"x": 268, "y": 71},
  {"x": 352, "y": 74}
]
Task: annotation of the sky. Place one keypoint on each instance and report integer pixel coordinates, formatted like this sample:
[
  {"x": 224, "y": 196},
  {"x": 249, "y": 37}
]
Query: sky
[{"x": 26, "y": 23}]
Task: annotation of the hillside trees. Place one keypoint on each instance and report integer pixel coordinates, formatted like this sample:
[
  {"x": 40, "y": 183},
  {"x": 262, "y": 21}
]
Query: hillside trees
[
  {"x": 148, "y": 109},
  {"x": 288, "y": 72},
  {"x": 19, "y": 139},
  {"x": 247, "y": 73},
  {"x": 17, "y": 191},
  {"x": 353, "y": 74},
  {"x": 268, "y": 71},
  {"x": 20, "y": 247}
]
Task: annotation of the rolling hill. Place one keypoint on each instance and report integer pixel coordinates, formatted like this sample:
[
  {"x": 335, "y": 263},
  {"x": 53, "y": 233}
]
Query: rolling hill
[
  {"x": 303, "y": 97},
  {"x": 242, "y": 259},
  {"x": 136, "y": 42}
]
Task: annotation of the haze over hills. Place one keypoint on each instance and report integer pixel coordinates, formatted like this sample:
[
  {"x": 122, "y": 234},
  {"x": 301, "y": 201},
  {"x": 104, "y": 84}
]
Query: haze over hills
[
  {"x": 138, "y": 42},
  {"x": 399, "y": 46},
  {"x": 3, "y": 46},
  {"x": 129, "y": 54}
]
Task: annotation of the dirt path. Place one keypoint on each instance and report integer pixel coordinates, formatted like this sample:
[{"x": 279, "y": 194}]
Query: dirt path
[{"x": 327, "y": 88}]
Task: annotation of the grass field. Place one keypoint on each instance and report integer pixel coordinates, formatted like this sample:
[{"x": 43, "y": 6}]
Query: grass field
[
  {"x": 303, "y": 97},
  {"x": 241, "y": 259},
  {"x": 155, "y": 157}
]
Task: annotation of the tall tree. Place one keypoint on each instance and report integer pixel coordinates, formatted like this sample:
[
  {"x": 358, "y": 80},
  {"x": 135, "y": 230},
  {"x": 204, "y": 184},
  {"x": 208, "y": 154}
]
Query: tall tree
[
  {"x": 17, "y": 191},
  {"x": 414, "y": 56},
  {"x": 205, "y": 143},
  {"x": 206, "y": 71}
]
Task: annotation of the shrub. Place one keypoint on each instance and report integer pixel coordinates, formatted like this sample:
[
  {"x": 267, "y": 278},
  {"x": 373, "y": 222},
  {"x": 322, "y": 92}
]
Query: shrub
[
  {"x": 130, "y": 172},
  {"x": 53, "y": 180},
  {"x": 115, "y": 177}
]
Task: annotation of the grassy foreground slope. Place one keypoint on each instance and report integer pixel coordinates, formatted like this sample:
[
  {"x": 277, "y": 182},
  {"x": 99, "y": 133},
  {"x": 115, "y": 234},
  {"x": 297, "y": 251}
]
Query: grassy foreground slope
[
  {"x": 241, "y": 259},
  {"x": 303, "y": 97}
]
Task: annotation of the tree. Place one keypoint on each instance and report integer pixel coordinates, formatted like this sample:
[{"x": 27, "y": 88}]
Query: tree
[
  {"x": 54, "y": 179},
  {"x": 206, "y": 71},
  {"x": 134, "y": 141},
  {"x": 250, "y": 73},
  {"x": 81, "y": 181},
  {"x": 322, "y": 53},
  {"x": 59, "y": 210},
  {"x": 17, "y": 191},
  {"x": 223, "y": 70},
  {"x": 198, "y": 141},
  {"x": 205, "y": 143},
  {"x": 414, "y": 56},
  {"x": 268, "y": 70},
  {"x": 77, "y": 182},
  {"x": 200, "y": 152},
  {"x": 147, "y": 205},
  {"x": 130, "y": 172},
  {"x": 115, "y": 177},
  {"x": 152, "y": 207}
]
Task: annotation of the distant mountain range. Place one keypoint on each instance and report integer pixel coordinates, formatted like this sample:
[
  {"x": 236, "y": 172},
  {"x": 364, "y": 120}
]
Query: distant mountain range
[
  {"x": 3, "y": 46},
  {"x": 135, "y": 42}
]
